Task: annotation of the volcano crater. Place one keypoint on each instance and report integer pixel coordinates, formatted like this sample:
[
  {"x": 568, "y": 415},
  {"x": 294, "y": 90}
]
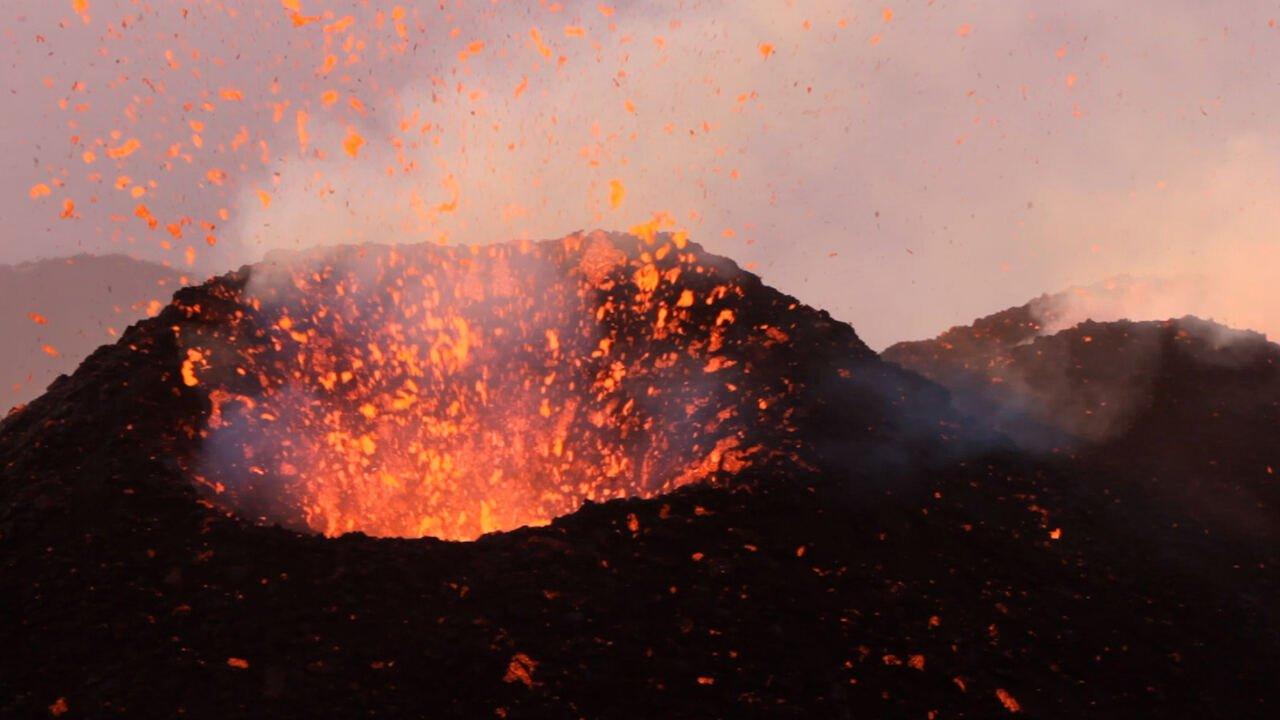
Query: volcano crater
[{"x": 453, "y": 391}]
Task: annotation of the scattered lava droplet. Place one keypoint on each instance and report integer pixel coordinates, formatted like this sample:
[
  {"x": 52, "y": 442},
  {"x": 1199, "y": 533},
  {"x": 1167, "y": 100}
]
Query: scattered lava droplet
[
  {"x": 520, "y": 670},
  {"x": 1010, "y": 703}
]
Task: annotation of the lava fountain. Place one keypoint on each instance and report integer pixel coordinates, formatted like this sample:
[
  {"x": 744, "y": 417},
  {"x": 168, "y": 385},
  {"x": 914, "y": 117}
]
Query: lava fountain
[{"x": 452, "y": 391}]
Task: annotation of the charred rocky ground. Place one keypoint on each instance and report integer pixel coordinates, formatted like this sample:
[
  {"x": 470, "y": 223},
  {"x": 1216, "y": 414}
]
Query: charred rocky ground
[{"x": 897, "y": 561}]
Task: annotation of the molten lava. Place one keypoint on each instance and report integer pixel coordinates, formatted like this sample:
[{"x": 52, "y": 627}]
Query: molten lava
[{"x": 454, "y": 391}]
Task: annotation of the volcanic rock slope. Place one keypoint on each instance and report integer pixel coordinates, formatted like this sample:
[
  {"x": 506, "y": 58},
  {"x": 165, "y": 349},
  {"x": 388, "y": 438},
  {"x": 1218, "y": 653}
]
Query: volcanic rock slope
[
  {"x": 1189, "y": 409},
  {"x": 886, "y": 561}
]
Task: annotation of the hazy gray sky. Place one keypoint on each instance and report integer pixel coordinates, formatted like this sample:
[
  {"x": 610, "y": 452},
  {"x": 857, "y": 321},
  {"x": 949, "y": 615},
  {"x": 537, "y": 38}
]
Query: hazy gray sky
[{"x": 907, "y": 165}]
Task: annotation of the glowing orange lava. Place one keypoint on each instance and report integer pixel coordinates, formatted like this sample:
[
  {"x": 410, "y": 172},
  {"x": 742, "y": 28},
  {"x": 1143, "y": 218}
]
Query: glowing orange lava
[{"x": 453, "y": 391}]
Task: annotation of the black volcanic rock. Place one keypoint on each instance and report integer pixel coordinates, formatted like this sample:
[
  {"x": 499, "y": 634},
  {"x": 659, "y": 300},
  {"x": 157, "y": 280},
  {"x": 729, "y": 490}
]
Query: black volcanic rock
[{"x": 871, "y": 572}]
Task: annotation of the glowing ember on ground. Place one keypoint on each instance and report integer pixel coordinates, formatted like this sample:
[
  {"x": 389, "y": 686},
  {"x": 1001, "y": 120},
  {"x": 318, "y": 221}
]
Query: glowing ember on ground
[{"x": 450, "y": 392}]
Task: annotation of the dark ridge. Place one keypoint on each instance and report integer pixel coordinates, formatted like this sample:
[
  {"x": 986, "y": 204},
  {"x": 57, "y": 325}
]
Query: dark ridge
[{"x": 71, "y": 305}]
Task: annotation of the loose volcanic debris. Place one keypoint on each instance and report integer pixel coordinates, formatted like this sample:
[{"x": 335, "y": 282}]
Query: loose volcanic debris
[{"x": 863, "y": 553}]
